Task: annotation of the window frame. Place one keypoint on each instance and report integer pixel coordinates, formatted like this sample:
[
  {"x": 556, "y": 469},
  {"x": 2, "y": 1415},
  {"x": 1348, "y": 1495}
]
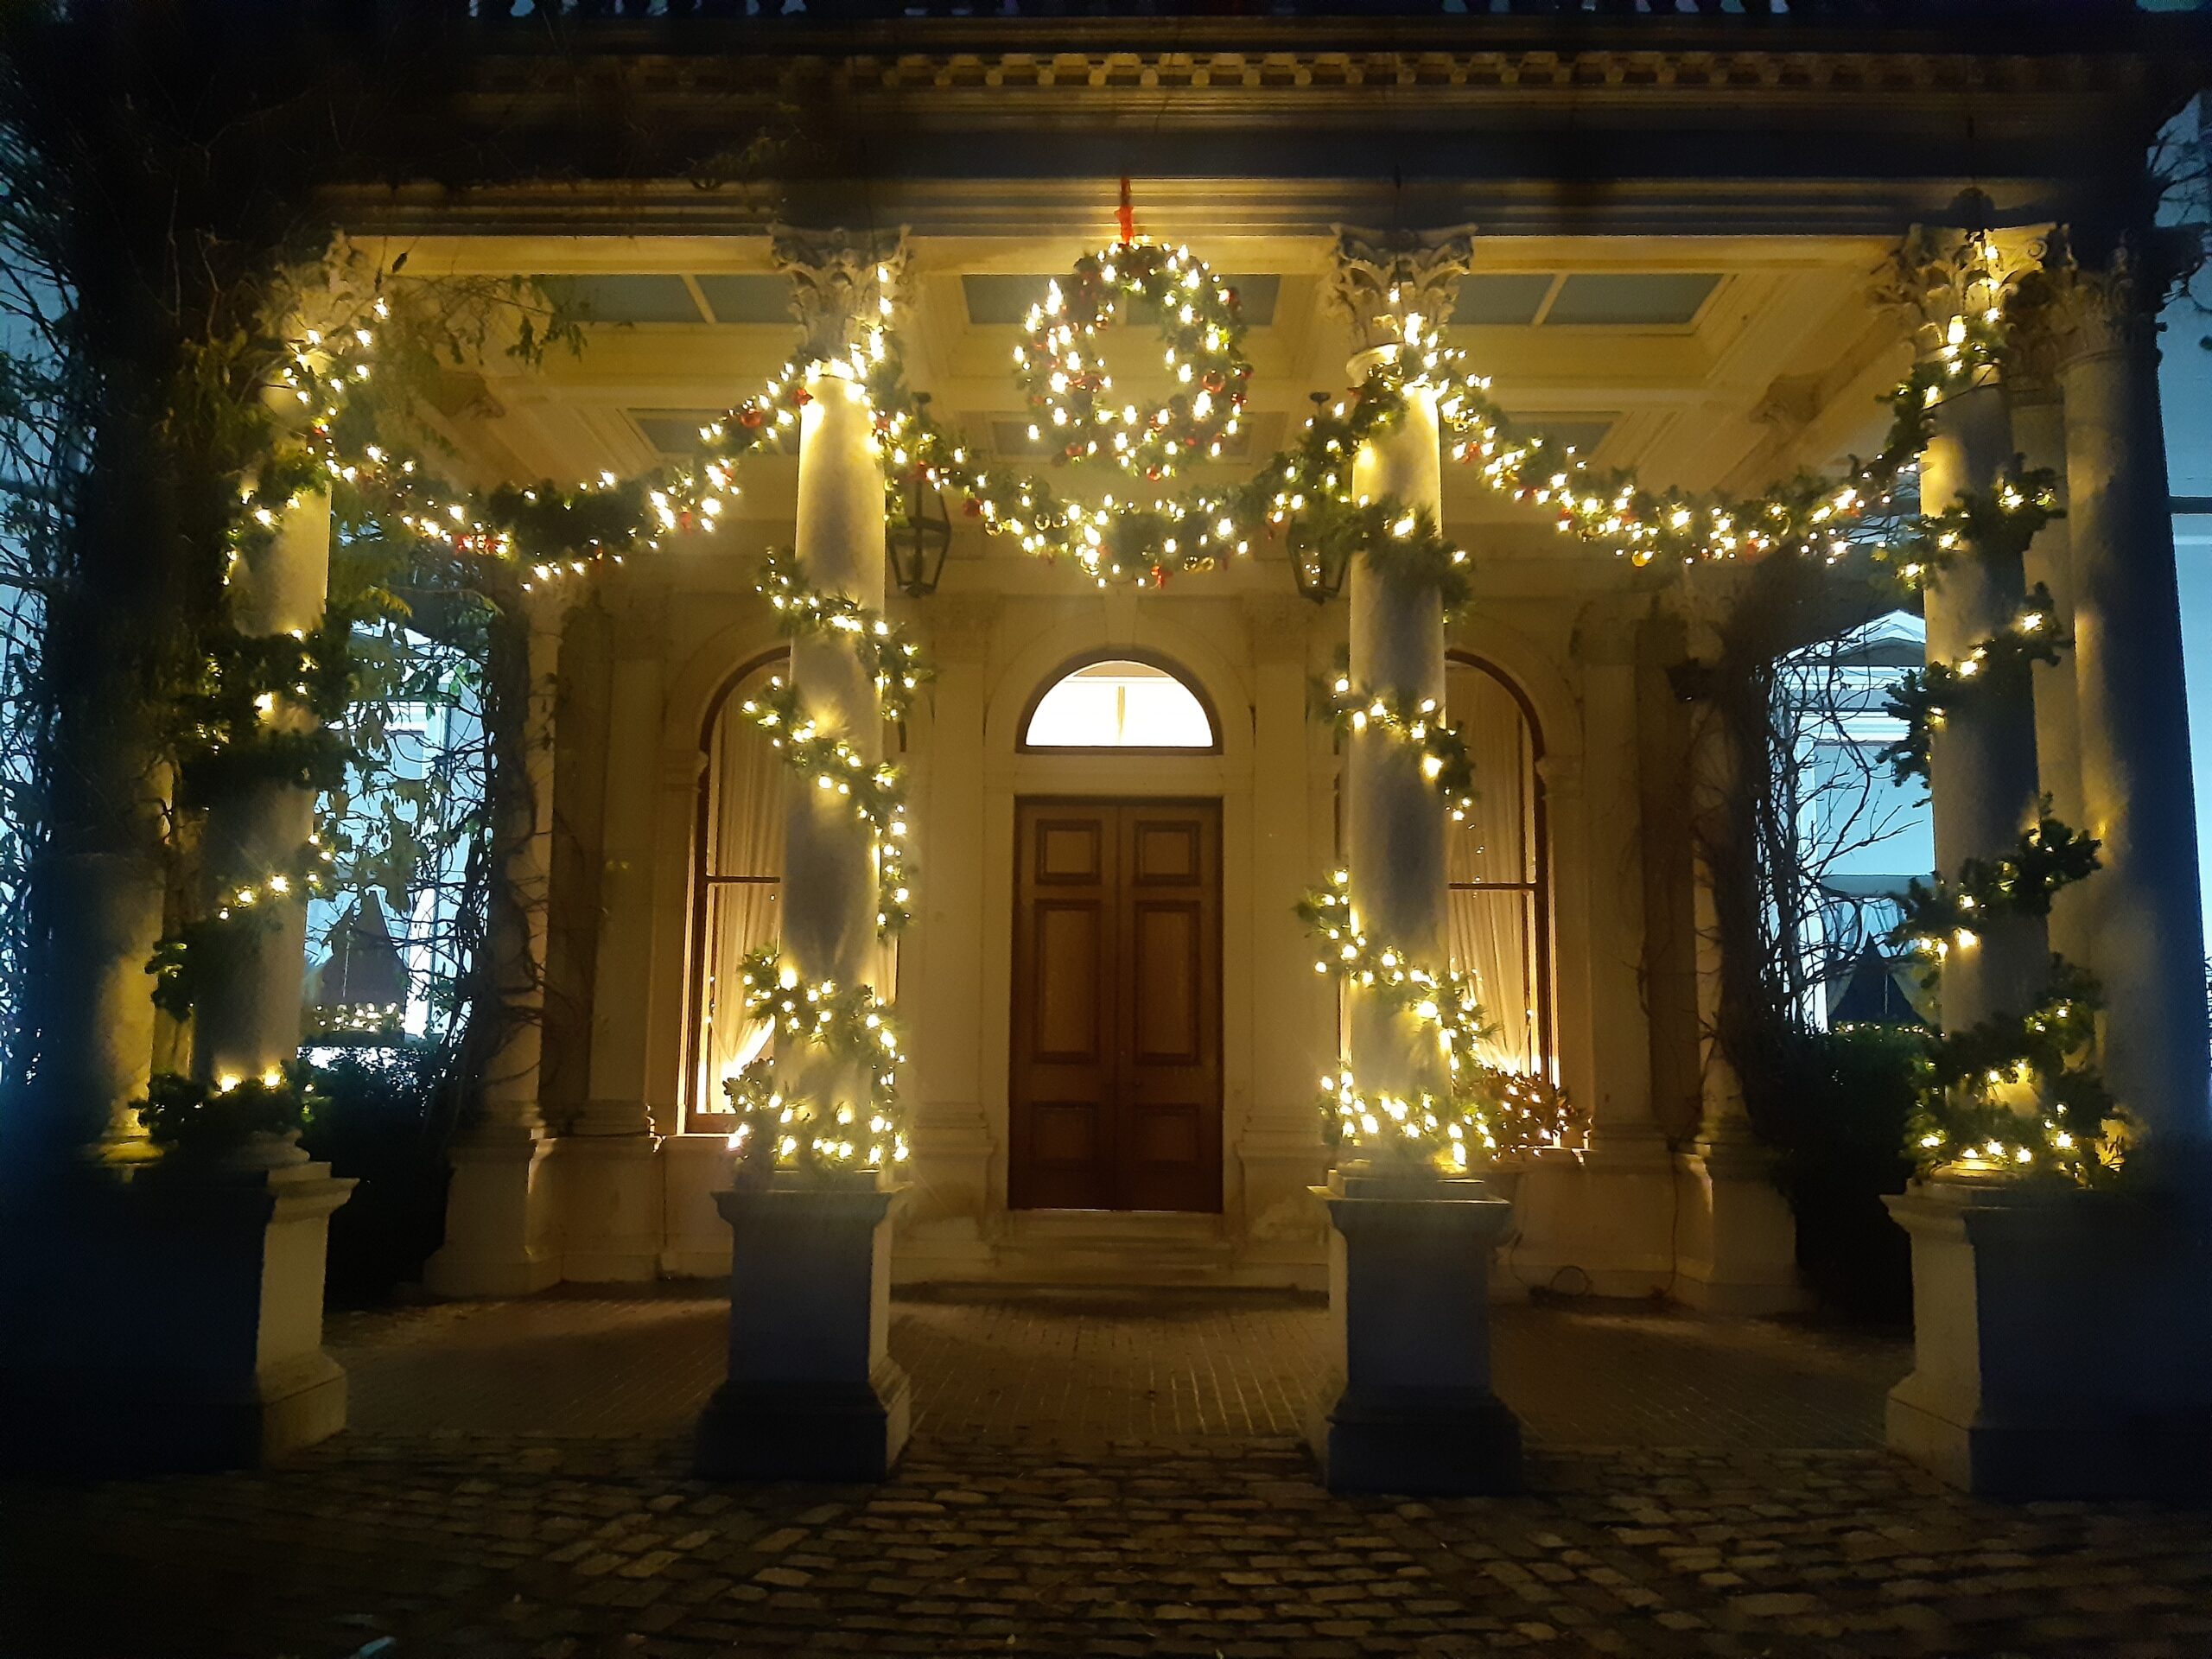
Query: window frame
[
  {"x": 1092, "y": 658},
  {"x": 703, "y": 881},
  {"x": 1540, "y": 887}
]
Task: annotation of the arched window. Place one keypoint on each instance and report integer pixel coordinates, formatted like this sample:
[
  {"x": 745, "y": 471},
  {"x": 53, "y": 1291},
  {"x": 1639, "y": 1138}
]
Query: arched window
[
  {"x": 739, "y": 854},
  {"x": 1120, "y": 702},
  {"x": 1500, "y": 904}
]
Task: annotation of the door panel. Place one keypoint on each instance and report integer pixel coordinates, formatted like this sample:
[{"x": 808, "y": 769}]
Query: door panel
[{"x": 1114, "y": 1095}]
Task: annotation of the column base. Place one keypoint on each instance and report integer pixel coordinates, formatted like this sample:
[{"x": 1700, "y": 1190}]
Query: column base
[
  {"x": 811, "y": 1393},
  {"x": 695, "y": 1239},
  {"x": 1739, "y": 1251},
  {"x": 1409, "y": 1308},
  {"x": 1598, "y": 1222},
  {"x": 1420, "y": 1443},
  {"x": 608, "y": 1208},
  {"x": 178, "y": 1320},
  {"x": 807, "y": 1431},
  {"x": 499, "y": 1207},
  {"x": 2060, "y": 1348}
]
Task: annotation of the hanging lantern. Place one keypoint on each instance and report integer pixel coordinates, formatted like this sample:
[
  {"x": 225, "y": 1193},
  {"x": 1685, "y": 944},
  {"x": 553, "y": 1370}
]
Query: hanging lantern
[{"x": 918, "y": 545}]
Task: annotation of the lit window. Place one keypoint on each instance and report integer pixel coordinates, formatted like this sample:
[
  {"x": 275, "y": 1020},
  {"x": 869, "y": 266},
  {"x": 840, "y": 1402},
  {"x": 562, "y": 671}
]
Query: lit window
[
  {"x": 1119, "y": 705},
  {"x": 1500, "y": 903}
]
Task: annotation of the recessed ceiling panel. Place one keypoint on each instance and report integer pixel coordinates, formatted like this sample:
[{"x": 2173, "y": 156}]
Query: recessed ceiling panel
[
  {"x": 1632, "y": 299},
  {"x": 674, "y": 431},
  {"x": 748, "y": 296},
  {"x": 1501, "y": 298},
  {"x": 642, "y": 298}
]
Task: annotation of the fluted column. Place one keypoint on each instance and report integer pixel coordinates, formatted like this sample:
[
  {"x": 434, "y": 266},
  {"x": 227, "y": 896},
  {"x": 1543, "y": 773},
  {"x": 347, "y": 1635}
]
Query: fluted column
[
  {"x": 607, "y": 1185},
  {"x": 1983, "y": 785},
  {"x": 1409, "y": 1260},
  {"x": 246, "y": 1021},
  {"x": 1394, "y": 823},
  {"x": 496, "y": 1210},
  {"x": 2142, "y": 917},
  {"x": 1735, "y": 1238}
]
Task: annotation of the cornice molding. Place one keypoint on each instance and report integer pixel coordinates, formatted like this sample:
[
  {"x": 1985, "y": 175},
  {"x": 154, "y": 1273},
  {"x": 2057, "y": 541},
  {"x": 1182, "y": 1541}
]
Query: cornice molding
[{"x": 1700, "y": 71}]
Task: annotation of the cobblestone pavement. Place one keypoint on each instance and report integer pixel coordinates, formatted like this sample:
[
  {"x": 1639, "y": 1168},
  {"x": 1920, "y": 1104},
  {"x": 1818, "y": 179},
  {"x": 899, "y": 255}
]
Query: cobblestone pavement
[{"x": 573, "y": 1531}]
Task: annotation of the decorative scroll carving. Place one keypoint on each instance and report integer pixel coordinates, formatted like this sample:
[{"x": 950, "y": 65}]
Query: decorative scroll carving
[
  {"x": 841, "y": 283},
  {"x": 1940, "y": 276},
  {"x": 1382, "y": 279},
  {"x": 2081, "y": 309}
]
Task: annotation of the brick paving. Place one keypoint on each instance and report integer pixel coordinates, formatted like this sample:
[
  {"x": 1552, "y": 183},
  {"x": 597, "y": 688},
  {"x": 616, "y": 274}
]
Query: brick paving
[{"x": 515, "y": 1488}]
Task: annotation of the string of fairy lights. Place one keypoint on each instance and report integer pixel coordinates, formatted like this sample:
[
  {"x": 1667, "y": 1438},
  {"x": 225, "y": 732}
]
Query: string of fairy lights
[
  {"x": 827, "y": 1096},
  {"x": 261, "y": 709}
]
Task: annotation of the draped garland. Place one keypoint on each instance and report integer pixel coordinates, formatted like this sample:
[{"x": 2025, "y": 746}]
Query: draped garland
[{"x": 1306, "y": 489}]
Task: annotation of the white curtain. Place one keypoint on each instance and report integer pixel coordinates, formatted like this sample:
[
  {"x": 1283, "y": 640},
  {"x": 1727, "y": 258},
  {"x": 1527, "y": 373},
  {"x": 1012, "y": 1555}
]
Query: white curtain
[
  {"x": 743, "y": 838},
  {"x": 1493, "y": 927}
]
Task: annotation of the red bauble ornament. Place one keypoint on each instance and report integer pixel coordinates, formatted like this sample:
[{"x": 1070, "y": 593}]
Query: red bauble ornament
[
  {"x": 749, "y": 415},
  {"x": 973, "y": 508},
  {"x": 801, "y": 395},
  {"x": 1215, "y": 380}
]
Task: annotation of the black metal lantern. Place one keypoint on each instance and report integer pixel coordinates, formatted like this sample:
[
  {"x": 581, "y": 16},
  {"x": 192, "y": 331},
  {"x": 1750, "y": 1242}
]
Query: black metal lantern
[
  {"x": 917, "y": 545},
  {"x": 1320, "y": 570}
]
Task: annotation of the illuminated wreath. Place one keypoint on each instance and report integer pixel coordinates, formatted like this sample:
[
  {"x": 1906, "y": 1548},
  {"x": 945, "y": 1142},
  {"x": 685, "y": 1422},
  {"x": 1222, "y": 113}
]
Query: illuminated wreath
[{"x": 1060, "y": 365}]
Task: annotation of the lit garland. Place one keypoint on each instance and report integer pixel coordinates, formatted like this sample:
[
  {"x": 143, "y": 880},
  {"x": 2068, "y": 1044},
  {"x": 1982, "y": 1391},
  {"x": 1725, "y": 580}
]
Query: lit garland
[
  {"x": 1949, "y": 915},
  {"x": 1998, "y": 667},
  {"x": 182, "y": 1114},
  {"x": 2019, "y": 1095},
  {"x": 1062, "y": 370},
  {"x": 1445, "y": 764},
  {"x": 1486, "y": 1109},
  {"x": 874, "y": 789},
  {"x": 890, "y": 657},
  {"x": 783, "y": 1126}
]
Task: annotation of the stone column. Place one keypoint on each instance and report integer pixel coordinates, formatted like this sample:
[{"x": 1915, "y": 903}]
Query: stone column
[
  {"x": 1602, "y": 1218},
  {"x": 498, "y": 1210},
  {"x": 1983, "y": 786},
  {"x": 941, "y": 1227},
  {"x": 2143, "y": 926},
  {"x": 828, "y": 896},
  {"x": 2039, "y": 440},
  {"x": 247, "y": 1024},
  {"x": 1408, "y": 1269},
  {"x": 812, "y": 1390},
  {"x": 609, "y": 1198},
  {"x": 1279, "y": 1150},
  {"x": 1737, "y": 1248},
  {"x": 2060, "y": 1349}
]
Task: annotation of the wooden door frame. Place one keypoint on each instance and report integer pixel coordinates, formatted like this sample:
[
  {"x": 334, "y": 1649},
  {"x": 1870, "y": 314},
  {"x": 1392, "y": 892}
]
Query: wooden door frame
[{"x": 1213, "y": 802}]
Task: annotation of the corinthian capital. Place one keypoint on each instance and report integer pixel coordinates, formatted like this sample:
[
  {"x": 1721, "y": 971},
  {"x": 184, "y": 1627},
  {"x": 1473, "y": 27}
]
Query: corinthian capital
[
  {"x": 2089, "y": 308},
  {"x": 1385, "y": 280},
  {"x": 1941, "y": 278},
  {"x": 843, "y": 282}
]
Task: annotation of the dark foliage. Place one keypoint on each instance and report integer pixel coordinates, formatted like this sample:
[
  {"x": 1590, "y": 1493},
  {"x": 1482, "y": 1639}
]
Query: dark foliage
[
  {"x": 1837, "y": 1113},
  {"x": 382, "y": 1117}
]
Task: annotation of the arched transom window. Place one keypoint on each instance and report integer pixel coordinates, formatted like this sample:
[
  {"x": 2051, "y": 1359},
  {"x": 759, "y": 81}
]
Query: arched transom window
[
  {"x": 1119, "y": 704},
  {"x": 1500, "y": 915}
]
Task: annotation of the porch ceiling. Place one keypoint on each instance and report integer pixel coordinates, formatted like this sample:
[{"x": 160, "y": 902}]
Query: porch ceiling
[{"x": 1699, "y": 361}]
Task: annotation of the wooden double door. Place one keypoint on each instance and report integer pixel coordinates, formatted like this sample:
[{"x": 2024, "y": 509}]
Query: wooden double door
[{"x": 1114, "y": 1093}]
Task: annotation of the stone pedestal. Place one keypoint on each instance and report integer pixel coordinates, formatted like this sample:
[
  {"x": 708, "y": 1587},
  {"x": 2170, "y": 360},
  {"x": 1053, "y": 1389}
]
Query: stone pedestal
[
  {"x": 498, "y": 1224},
  {"x": 1600, "y": 1222},
  {"x": 609, "y": 1194},
  {"x": 171, "y": 1322},
  {"x": 2061, "y": 1348},
  {"x": 1737, "y": 1248},
  {"x": 812, "y": 1393},
  {"x": 1409, "y": 1307}
]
